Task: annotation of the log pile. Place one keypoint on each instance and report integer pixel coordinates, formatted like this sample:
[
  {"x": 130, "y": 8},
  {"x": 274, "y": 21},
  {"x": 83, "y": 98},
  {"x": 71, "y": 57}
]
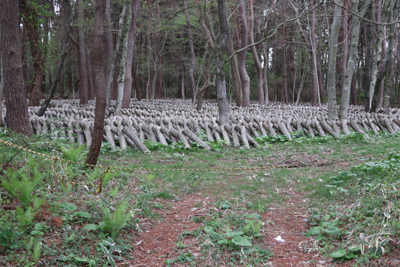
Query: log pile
[{"x": 173, "y": 120}]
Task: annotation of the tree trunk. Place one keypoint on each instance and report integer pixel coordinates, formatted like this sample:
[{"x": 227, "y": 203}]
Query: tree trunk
[
  {"x": 89, "y": 74},
  {"x": 394, "y": 12},
  {"x": 108, "y": 40},
  {"x": 235, "y": 74},
  {"x": 285, "y": 89},
  {"x": 1, "y": 82},
  {"x": 57, "y": 72},
  {"x": 352, "y": 62},
  {"x": 259, "y": 69},
  {"x": 83, "y": 75},
  {"x": 244, "y": 32},
  {"x": 14, "y": 87},
  {"x": 31, "y": 25},
  {"x": 129, "y": 67},
  {"x": 125, "y": 68},
  {"x": 192, "y": 55},
  {"x": 100, "y": 82},
  {"x": 136, "y": 81},
  {"x": 375, "y": 82},
  {"x": 221, "y": 83},
  {"x": 369, "y": 57},
  {"x": 331, "y": 79},
  {"x": 116, "y": 55}
]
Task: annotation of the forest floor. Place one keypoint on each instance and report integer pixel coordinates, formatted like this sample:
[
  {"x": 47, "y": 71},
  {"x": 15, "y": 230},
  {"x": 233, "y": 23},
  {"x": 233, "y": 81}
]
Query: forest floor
[{"x": 317, "y": 202}]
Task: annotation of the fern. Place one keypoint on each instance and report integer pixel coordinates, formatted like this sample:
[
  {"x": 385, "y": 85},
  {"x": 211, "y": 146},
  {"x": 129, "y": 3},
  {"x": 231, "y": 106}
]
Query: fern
[
  {"x": 115, "y": 221},
  {"x": 22, "y": 189},
  {"x": 73, "y": 154},
  {"x": 25, "y": 218}
]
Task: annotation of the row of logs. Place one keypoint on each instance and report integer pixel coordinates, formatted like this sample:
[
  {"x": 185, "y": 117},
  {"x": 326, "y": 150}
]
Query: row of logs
[{"x": 175, "y": 120}]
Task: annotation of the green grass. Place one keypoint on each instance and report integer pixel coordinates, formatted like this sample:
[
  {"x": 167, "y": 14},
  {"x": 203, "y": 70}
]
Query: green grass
[{"x": 370, "y": 206}]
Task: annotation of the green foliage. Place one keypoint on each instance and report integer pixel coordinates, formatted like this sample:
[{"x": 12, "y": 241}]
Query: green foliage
[
  {"x": 182, "y": 258},
  {"x": 20, "y": 185},
  {"x": 73, "y": 154},
  {"x": 7, "y": 235},
  {"x": 116, "y": 220},
  {"x": 108, "y": 247},
  {"x": 25, "y": 218}
]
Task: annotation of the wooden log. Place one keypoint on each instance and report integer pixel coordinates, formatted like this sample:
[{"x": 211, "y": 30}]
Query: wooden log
[
  {"x": 284, "y": 130},
  {"x": 357, "y": 129},
  {"x": 315, "y": 124},
  {"x": 345, "y": 128},
  {"x": 160, "y": 136},
  {"x": 195, "y": 138},
  {"x": 243, "y": 135},
  {"x": 121, "y": 136},
  {"x": 183, "y": 138},
  {"x": 235, "y": 137},
  {"x": 327, "y": 128},
  {"x": 130, "y": 134},
  {"x": 225, "y": 135}
]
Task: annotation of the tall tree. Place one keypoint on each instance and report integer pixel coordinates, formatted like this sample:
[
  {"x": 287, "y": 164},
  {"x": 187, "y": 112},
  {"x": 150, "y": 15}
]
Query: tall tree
[
  {"x": 331, "y": 79},
  {"x": 353, "y": 61},
  {"x": 1, "y": 83},
  {"x": 192, "y": 55},
  {"x": 100, "y": 81},
  {"x": 83, "y": 74},
  {"x": 57, "y": 72},
  {"x": 14, "y": 86},
  {"x": 32, "y": 21},
  {"x": 244, "y": 36},
  {"x": 129, "y": 57},
  {"x": 221, "y": 82}
]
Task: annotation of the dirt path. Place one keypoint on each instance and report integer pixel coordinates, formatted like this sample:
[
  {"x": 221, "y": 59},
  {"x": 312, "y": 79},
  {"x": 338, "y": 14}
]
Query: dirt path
[{"x": 158, "y": 241}]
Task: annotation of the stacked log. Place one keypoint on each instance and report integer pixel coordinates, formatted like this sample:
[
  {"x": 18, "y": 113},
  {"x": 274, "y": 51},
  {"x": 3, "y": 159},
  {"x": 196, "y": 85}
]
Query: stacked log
[{"x": 173, "y": 120}]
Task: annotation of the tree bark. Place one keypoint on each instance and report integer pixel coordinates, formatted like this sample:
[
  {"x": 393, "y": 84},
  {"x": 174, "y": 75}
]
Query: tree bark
[
  {"x": 108, "y": 40},
  {"x": 57, "y": 72},
  {"x": 331, "y": 79},
  {"x": 83, "y": 75},
  {"x": 1, "y": 82},
  {"x": 352, "y": 62},
  {"x": 116, "y": 55},
  {"x": 14, "y": 87},
  {"x": 244, "y": 36},
  {"x": 124, "y": 69},
  {"x": 259, "y": 69},
  {"x": 100, "y": 82},
  {"x": 221, "y": 83},
  {"x": 369, "y": 57},
  {"x": 32, "y": 26},
  {"x": 192, "y": 55},
  {"x": 129, "y": 67},
  {"x": 394, "y": 12}
]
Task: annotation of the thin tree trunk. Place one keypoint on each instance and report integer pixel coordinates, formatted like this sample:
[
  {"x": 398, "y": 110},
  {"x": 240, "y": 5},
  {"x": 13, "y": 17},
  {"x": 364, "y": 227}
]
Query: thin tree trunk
[
  {"x": 36, "y": 50},
  {"x": 345, "y": 48},
  {"x": 129, "y": 67},
  {"x": 368, "y": 58},
  {"x": 100, "y": 82},
  {"x": 14, "y": 87},
  {"x": 285, "y": 89},
  {"x": 331, "y": 79},
  {"x": 352, "y": 62},
  {"x": 116, "y": 55},
  {"x": 108, "y": 40},
  {"x": 244, "y": 32},
  {"x": 89, "y": 74},
  {"x": 192, "y": 55},
  {"x": 221, "y": 84},
  {"x": 57, "y": 72},
  {"x": 260, "y": 80},
  {"x": 136, "y": 81},
  {"x": 124, "y": 69},
  {"x": 394, "y": 11},
  {"x": 83, "y": 75},
  {"x": 1, "y": 82}
]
